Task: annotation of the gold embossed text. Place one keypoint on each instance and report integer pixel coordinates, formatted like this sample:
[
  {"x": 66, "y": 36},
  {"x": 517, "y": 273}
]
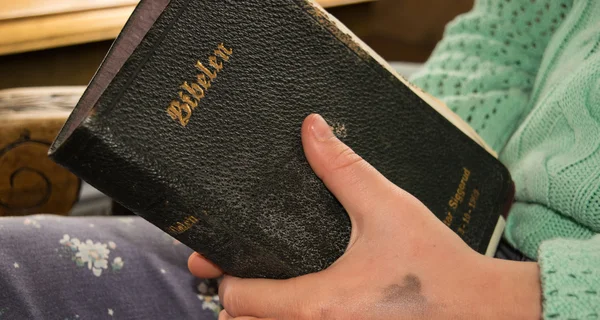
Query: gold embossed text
[
  {"x": 193, "y": 91},
  {"x": 182, "y": 226}
]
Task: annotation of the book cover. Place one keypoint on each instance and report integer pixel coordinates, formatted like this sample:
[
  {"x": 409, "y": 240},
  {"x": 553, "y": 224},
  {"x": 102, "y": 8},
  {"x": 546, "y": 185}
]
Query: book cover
[{"x": 193, "y": 122}]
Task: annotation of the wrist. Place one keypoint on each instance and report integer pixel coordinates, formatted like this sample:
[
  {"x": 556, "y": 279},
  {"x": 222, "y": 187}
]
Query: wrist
[
  {"x": 487, "y": 288},
  {"x": 514, "y": 290}
]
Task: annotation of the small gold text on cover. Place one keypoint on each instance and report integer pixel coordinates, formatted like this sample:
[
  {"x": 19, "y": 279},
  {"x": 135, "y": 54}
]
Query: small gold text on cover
[
  {"x": 191, "y": 93},
  {"x": 458, "y": 197},
  {"x": 182, "y": 226}
]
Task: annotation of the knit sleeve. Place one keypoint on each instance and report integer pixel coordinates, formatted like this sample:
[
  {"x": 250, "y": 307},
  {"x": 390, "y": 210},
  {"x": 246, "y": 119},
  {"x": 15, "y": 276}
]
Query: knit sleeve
[
  {"x": 570, "y": 272},
  {"x": 485, "y": 67}
]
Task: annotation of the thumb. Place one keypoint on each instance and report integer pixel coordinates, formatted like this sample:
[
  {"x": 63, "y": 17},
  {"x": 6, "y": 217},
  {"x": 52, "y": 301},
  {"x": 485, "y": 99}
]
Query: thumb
[{"x": 358, "y": 186}]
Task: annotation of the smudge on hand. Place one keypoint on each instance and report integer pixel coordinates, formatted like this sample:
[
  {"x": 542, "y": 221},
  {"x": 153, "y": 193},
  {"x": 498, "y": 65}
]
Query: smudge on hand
[{"x": 406, "y": 294}]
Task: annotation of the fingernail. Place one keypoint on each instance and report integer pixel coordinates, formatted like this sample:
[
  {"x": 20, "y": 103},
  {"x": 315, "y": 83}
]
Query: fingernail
[
  {"x": 194, "y": 260},
  {"x": 321, "y": 129}
]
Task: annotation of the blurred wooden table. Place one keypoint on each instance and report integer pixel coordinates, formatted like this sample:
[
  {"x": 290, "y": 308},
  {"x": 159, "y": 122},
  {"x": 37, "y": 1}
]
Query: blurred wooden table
[
  {"x": 28, "y": 25},
  {"x": 62, "y": 42}
]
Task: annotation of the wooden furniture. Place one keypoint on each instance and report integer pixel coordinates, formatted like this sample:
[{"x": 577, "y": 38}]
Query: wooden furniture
[
  {"x": 28, "y": 25},
  {"x": 57, "y": 43},
  {"x": 408, "y": 30},
  {"x": 30, "y": 182}
]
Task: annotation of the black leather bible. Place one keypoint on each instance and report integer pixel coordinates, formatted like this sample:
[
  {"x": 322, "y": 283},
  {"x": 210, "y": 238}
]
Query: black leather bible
[{"x": 193, "y": 122}]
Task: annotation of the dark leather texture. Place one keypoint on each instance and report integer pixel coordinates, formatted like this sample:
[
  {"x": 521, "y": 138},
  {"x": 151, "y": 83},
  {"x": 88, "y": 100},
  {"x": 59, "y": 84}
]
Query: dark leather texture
[{"x": 238, "y": 165}]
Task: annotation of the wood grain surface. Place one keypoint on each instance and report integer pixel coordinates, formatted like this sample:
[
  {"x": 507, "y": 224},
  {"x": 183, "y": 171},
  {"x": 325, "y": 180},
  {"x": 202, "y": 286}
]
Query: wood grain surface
[
  {"x": 29, "y": 181},
  {"x": 28, "y": 25}
]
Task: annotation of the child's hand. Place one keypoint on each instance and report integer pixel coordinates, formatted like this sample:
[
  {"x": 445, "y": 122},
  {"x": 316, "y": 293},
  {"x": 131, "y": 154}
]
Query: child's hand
[{"x": 401, "y": 263}]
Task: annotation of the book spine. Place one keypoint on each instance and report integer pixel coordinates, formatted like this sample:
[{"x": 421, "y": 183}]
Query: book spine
[{"x": 134, "y": 181}]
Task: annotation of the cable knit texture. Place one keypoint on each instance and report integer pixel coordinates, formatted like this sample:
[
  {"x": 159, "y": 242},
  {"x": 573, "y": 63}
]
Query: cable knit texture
[{"x": 525, "y": 74}]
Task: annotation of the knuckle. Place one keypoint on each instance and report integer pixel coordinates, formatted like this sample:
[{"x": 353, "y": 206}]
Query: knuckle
[
  {"x": 345, "y": 159},
  {"x": 228, "y": 298},
  {"x": 227, "y": 301}
]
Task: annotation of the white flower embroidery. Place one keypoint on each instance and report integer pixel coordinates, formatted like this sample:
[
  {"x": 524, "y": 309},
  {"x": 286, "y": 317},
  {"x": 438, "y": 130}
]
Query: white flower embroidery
[
  {"x": 94, "y": 254},
  {"x": 209, "y": 297},
  {"x": 65, "y": 240},
  {"x": 16, "y": 265},
  {"x": 210, "y": 303},
  {"x": 110, "y": 312},
  {"x": 117, "y": 264},
  {"x": 71, "y": 243}
]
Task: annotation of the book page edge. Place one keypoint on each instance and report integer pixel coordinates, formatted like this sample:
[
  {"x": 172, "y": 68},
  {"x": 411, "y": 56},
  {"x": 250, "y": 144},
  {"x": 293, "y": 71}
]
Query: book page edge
[{"x": 496, "y": 236}]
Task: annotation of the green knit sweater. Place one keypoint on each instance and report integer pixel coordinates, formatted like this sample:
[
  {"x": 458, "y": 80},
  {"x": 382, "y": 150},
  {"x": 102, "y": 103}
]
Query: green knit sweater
[{"x": 525, "y": 74}]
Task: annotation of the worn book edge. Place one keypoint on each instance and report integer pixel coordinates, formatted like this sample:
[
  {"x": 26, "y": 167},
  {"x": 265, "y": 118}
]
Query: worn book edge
[
  {"x": 149, "y": 11},
  {"x": 438, "y": 105},
  {"x": 496, "y": 236}
]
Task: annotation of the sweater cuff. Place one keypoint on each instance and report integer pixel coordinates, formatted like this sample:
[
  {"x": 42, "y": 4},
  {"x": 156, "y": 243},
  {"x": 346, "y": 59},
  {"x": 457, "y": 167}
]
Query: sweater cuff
[{"x": 570, "y": 275}]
